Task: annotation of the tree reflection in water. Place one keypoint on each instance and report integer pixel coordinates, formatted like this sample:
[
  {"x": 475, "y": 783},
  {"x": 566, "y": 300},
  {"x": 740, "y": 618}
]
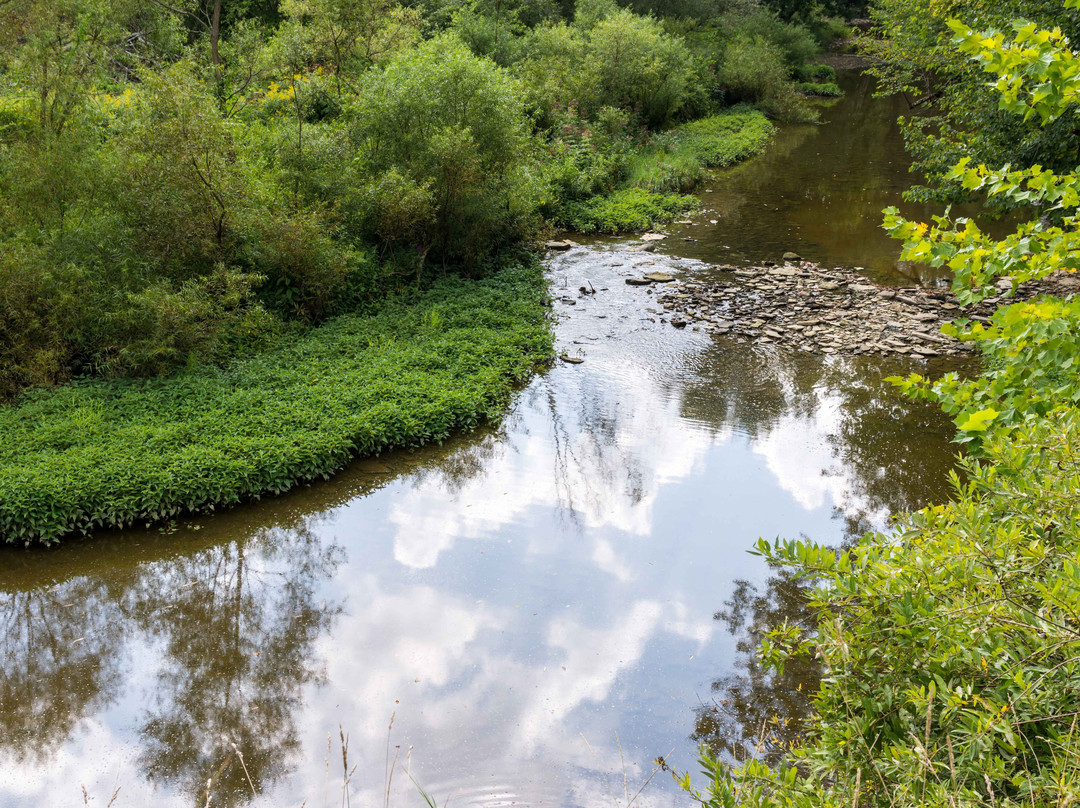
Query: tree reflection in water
[
  {"x": 235, "y": 623},
  {"x": 756, "y": 712},
  {"x": 885, "y": 451},
  {"x": 58, "y": 664}
]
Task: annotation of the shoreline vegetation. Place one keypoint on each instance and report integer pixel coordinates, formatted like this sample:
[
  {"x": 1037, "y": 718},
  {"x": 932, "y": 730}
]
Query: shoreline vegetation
[
  {"x": 949, "y": 649},
  {"x": 194, "y": 217},
  {"x": 120, "y": 452}
]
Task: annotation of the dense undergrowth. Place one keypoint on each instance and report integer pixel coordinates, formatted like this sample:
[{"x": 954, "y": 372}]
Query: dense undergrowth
[
  {"x": 173, "y": 192},
  {"x": 112, "y": 453}
]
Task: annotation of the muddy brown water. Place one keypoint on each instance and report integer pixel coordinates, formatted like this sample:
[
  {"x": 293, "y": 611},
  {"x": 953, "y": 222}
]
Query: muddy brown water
[{"x": 524, "y": 616}]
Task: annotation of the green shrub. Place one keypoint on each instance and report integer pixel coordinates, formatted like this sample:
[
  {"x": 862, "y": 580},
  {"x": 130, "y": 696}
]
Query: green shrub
[
  {"x": 812, "y": 72},
  {"x": 635, "y": 65},
  {"x": 304, "y": 267},
  {"x": 623, "y": 211},
  {"x": 827, "y": 30},
  {"x": 825, "y": 89},
  {"x": 33, "y": 351},
  {"x": 795, "y": 43},
  {"x": 117, "y": 452},
  {"x": 752, "y": 70},
  {"x": 551, "y": 73},
  {"x": 452, "y": 123},
  {"x": 950, "y": 649}
]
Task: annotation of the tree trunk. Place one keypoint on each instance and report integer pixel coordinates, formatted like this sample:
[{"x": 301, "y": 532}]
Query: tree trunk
[{"x": 215, "y": 35}]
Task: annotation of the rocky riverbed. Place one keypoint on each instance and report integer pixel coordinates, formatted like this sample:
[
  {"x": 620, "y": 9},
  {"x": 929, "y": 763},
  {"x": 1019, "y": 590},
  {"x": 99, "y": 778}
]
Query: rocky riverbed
[{"x": 826, "y": 311}]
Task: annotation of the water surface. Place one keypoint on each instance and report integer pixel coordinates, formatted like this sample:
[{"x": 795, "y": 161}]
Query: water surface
[
  {"x": 819, "y": 191},
  {"x": 524, "y": 616}
]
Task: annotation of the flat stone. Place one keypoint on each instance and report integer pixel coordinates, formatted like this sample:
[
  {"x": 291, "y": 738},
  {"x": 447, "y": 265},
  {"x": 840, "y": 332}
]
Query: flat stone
[
  {"x": 659, "y": 277},
  {"x": 783, "y": 272},
  {"x": 571, "y": 360},
  {"x": 638, "y": 282},
  {"x": 653, "y": 237},
  {"x": 560, "y": 245}
]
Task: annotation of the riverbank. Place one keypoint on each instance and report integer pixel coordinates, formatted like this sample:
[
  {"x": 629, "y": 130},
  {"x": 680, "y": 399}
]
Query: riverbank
[
  {"x": 649, "y": 184},
  {"x": 115, "y": 453}
]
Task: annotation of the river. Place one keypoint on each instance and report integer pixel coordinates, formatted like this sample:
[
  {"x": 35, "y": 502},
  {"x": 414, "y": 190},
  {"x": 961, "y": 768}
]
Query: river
[{"x": 528, "y": 615}]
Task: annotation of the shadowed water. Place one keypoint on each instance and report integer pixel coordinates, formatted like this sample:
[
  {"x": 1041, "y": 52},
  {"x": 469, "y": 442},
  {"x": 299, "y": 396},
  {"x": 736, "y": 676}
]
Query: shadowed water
[
  {"x": 819, "y": 191},
  {"x": 521, "y": 617}
]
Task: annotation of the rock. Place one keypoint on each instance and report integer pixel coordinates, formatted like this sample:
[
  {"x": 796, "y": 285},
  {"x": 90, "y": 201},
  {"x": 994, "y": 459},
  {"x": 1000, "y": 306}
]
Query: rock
[
  {"x": 653, "y": 237},
  {"x": 659, "y": 277},
  {"x": 679, "y": 323},
  {"x": 922, "y": 350},
  {"x": 830, "y": 286},
  {"x": 863, "y": 288},
  {"x": 792, "y": 256},
  {"x": 638, "y": 282},
  {"x": 784, "y": 272},
  {"x": 571, "y": 360},
  {"x": 560, "y": 245}
]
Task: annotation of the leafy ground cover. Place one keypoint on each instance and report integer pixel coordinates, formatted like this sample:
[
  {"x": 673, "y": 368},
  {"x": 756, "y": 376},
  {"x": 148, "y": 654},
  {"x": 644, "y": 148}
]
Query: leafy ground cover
[
  {"x": 112, "y": 453},
  {"x": 824, "y": 89}
]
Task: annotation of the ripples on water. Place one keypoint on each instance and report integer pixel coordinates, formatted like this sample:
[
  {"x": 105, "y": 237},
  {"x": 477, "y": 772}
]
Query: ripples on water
[{"x": 533, "y": 604}]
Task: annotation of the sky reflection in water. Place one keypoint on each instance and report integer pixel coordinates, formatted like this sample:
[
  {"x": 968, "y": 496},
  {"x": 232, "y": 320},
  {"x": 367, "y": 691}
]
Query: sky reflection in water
[{"x": 534, "y": 605}]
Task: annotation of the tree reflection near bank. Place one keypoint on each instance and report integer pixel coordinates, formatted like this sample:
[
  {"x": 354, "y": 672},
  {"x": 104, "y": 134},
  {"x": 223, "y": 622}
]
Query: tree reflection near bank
[
  {"x": 755, "y": 712},
  {"x": 235, "y": 624},
  {"x": 881, "y": 454},
  {"x": 58, "y": 664},
  {"x": 224, "y": 630}
]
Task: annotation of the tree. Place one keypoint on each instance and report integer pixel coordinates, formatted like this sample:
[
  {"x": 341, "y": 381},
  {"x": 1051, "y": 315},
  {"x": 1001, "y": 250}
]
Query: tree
[
  {"x": 955, "y": 111},
  {"x": 453, "y": 125},
  {"x": 1031, "y": 349}
]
